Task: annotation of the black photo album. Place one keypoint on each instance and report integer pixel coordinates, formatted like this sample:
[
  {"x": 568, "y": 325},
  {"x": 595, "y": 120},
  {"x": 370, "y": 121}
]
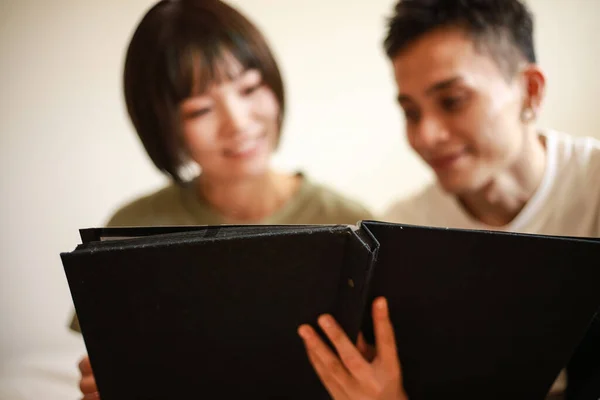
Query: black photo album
[{"x": 213, "y": 311}]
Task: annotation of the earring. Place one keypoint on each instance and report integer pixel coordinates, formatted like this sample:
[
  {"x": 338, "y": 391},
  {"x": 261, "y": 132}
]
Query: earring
[{"x": 527, "y": 115}]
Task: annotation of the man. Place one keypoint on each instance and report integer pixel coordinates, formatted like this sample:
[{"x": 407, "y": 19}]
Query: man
[{"x": 470, "y": 90}]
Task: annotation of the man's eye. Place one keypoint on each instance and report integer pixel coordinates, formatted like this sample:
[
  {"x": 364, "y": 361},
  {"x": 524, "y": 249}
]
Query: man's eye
[
  {"x": 411, "y": 115},
  {"x": 452, "y": 103}
]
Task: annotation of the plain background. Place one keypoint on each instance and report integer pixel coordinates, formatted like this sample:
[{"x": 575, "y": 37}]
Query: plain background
[{"x": 69, "y": 156}]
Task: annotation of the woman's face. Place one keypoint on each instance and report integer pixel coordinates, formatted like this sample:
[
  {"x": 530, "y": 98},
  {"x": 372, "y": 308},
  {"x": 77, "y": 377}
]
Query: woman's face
[{"x": 232, "y": 128}]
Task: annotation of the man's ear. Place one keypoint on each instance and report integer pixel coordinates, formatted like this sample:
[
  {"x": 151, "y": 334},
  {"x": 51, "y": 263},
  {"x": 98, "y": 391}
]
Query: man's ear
[{"x": 534, "y": 82}]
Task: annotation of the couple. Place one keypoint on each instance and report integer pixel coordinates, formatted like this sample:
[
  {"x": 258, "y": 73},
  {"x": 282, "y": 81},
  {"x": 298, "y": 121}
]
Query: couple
[{"x": 203, "y": 89}]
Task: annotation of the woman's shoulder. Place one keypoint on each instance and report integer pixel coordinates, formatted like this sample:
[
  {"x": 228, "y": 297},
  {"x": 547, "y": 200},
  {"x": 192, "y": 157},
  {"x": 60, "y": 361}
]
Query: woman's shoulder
[
  {"x": 330, "y": 206},
  {"x": 159, "y": 207}
]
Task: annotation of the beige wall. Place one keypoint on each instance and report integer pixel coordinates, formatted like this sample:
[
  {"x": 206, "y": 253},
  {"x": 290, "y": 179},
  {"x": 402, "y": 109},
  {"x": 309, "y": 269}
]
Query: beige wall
[{"x": 69, "y": 156}]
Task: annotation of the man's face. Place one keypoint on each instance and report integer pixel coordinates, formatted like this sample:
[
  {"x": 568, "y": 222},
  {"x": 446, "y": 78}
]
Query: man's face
[{"x": 462, "y": 113}]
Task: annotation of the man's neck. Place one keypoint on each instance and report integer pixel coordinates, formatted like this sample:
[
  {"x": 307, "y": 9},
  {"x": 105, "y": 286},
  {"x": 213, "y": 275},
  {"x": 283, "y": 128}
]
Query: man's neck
[
  {"x": 248, "y": 200},
  {"x": 503, "y": 198}
]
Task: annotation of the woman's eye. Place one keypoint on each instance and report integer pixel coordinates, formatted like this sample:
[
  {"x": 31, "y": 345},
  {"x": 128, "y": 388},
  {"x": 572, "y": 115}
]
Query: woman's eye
[
  {"x": 198, "y": 113},
  {"x": 250, "y": 89}
]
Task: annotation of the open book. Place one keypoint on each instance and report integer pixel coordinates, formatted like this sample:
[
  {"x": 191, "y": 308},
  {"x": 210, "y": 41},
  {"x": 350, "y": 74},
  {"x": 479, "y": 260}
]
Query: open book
[{"x": 213, "y": 312}]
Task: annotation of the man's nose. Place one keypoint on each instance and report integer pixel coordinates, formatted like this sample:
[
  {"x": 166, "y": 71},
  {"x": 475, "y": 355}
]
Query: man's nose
[{"x": 429, "y": 133}]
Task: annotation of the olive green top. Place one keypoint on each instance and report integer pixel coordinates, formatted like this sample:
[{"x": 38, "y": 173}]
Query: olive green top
[{"x": 176, "y": 205}]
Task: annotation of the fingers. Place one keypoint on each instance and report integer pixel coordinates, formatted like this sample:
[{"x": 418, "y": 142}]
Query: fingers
[
  {"x": 385, "y": 340},
  {"x": 87, "y": 384},
  {"x": 361, "y": 344},
  {"x": 350, "y": 355},
  {"x": 328, "y": 367},
  {"x": 84, "y": 366},
  {"x": 367, "y": 351},
  {"x": 335, "y": 390}
]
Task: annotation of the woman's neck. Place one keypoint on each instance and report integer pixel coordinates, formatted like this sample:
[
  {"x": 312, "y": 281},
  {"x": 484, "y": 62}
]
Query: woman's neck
[
  {"x": 503, "y": 198},
  {"x": 248, "y": 200}
]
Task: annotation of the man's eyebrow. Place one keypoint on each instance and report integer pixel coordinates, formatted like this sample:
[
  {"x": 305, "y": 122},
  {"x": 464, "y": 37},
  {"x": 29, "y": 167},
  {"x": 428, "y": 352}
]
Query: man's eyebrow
[
  {"x": 445, "y": 84},
  {"x": 436, "y": 87}
]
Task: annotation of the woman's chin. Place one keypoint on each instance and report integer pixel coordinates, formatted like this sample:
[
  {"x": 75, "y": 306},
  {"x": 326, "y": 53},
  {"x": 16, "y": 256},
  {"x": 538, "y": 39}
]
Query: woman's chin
[{"x": 244, "y": 171}]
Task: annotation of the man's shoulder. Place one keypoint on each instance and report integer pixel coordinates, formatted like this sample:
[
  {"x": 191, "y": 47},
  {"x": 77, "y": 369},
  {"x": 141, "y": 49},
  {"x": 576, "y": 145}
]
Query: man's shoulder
[
  {"x": 415, "y": 207},
  {"x": 581, "y": 151},
  {"x": 573, "y": 200},
  {"x": 575, "y": 161}
]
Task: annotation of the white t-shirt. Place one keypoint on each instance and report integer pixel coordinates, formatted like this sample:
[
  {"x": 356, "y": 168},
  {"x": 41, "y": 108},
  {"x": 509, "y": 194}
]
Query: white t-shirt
[{"x": 567, "y": 202}]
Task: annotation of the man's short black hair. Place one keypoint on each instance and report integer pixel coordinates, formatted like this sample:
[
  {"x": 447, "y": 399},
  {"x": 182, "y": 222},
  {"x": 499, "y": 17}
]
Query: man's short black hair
[{"x": 491, "y": 23}]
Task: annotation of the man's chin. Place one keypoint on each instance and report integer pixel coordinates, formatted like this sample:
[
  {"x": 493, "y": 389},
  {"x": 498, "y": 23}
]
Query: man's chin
[{"x": 455, "y": 186}]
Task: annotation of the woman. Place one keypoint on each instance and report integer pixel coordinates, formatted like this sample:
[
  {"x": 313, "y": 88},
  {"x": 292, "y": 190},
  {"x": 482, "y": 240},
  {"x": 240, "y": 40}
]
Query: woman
[{"x": 204, "y": 93}]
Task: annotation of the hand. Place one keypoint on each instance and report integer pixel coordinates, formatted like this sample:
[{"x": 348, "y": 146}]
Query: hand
[
  {"x": 87, "y": 384},
  {"x": 352, "y": 375}
]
